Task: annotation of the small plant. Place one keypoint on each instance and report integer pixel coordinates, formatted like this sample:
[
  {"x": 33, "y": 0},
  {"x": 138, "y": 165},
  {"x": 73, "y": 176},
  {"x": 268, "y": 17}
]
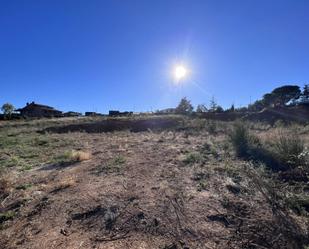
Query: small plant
[
  {"x": 240, "y": 139},
  {"x": 202, "y": 185},
  {"x": 300, "y": 204},
  {"x": 5, "y": 184},
  {"x": 6, "y": 216},
  {"x": 119, "y": 160},
  {"x": 26, "y": 167},
  {"x": 24, "y": 186},
  {"x": 211, "y": 127},
  {"x": 193, "y": 157}
]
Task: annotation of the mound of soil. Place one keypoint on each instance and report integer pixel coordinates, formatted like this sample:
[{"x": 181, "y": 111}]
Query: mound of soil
[
  {"x": 110, "y": 125},
  {"x": 295, "y": 113}
]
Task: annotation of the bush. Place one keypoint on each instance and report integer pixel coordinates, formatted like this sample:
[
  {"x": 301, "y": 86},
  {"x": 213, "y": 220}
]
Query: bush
[
  {"x": 289, "y": 150},
  {"x": 193, "y": 157},
  {"x": 285, "y": 152},
  {"x": 211, "y": 127},
  {"x": 240, "y": 139},
  {"x": 7, "y": 110}
]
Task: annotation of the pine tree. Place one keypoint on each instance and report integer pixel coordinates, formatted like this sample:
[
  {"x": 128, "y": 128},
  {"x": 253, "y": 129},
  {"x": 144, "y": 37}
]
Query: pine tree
[
  {"x": 213, "y": 104},
  {"x": 184, "y": 106}
]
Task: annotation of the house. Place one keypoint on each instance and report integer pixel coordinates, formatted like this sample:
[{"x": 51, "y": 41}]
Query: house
[
  {"x": 90, "y": 114},
  {"x": 118, "y": 113},
  {"x": 36, "y": 110},
  {"x": 72, "y": 114},
  {"x": 167, "y": 111}
]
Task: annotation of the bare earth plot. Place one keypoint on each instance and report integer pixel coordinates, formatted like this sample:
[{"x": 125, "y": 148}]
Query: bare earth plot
[{"x": 149, "y": 189}]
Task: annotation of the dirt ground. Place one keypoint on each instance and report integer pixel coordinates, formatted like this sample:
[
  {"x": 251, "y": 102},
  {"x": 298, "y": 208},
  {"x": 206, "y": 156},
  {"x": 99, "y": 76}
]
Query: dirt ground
[{"x": 143, "y": 190}]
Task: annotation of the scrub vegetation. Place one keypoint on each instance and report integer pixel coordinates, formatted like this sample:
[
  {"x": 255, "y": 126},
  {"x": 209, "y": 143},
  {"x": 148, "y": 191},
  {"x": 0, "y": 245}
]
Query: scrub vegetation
[{"x": 176, "y": 181}]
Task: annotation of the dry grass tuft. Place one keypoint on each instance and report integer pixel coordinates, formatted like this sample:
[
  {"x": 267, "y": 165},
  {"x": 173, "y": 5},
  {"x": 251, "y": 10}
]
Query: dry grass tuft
[
  {"x": 65, "y": 183},
  {"x": 5, "y": 184},
  {"x": 80, "y": 156}
]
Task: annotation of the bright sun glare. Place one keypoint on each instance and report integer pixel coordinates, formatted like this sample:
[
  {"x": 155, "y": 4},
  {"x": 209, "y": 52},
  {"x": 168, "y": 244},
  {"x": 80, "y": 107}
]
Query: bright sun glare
[{"x": 180, "y": 72}]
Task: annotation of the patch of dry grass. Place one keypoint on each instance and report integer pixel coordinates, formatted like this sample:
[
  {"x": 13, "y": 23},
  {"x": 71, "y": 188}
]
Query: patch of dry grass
[
  {"x": 73, "y": 156},
  {"x": 80, "y": 155},
  {"x": 65, "y": 183},
  {"x": 6, "y": 183}
]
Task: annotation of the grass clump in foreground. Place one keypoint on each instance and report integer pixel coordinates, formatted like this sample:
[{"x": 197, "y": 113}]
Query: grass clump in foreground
[
  {"x": 289, "y": 150},
  {"x": 112, "y": 166},
  {"x": 73, "y": 156},
  {"x": 284, "y": 151},
  {"x": 192, "y": 158},
  {"x": 6, "y": 216},
  {"x": 242, "y": 140}
]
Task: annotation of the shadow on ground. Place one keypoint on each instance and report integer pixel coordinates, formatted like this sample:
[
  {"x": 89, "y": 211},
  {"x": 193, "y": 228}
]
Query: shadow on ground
[{"x": 58, "y": 166}]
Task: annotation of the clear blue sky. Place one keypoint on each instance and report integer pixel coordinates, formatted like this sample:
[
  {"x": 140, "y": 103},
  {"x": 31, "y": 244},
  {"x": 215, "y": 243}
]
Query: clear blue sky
[{"x": 96, "y": 55}]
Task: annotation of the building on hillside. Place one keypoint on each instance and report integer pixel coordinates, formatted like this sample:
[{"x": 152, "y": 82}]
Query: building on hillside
[
  {"x": 72, "y": 114},
  {"x": 118, "y": 113},
  {"x": 166, "y": 111},
  {"x": 36, "y": 110}
]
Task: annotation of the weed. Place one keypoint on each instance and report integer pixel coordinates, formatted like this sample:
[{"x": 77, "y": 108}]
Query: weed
[
  {"x": 202, "y": 185},
  {"x": 192, "y": 158},
  {"x": 24, "y": 186},
  {"x": 119, "y": 160},
  {"x": 240, "y": 139},
  {"x": 112, "y": 166},
  {"x": 300, "y": 204},
  {"x": 211, "y": 127},
  {"x": 26, "y": 167},
  {"x": 5, "y": 183},
  {"x": 6, "y": 216}
]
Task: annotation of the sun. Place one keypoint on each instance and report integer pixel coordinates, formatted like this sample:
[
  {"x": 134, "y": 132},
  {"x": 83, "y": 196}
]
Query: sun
[{"x": 180, "y": 72}]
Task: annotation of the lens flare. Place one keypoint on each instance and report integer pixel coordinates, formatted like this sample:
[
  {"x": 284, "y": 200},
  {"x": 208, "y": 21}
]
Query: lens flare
[{"x": 180, "y": 72}]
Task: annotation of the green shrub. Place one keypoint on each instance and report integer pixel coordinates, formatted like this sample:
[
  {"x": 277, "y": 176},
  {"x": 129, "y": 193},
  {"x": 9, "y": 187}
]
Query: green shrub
[
  {"x": 6, "y": 216},
  {"x": 193, "y": 157},
  {"x": 211, "y": 127},
  {"x": 288, "y": 150},
  {"x": 119, "y": 160},
  {"x": 240, "y": 139}
]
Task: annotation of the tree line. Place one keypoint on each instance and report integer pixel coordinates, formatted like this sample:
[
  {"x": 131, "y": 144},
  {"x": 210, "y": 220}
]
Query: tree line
[{"x": 279, "y": 97}]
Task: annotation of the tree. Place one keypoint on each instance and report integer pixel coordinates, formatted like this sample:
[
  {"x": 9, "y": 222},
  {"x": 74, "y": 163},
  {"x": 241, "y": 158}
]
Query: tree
[
  {"x": 282, "y": 95},
  {"x": 256, "y": 106},
  {"x": 184, "y": 106},
  {"x": 231, "y": 109},
  {"x": 7, "y": 109},
  {"x": 268, "y": 99},
  {"x": 219, "y": 109},
  {"x": 305, "y": 94},
  {"x": 201, "y": 108},
  {"x": 213, "y": 104}
]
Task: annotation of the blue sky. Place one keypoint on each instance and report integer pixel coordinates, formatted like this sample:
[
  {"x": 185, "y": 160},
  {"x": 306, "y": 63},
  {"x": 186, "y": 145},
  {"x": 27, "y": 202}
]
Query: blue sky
[{"x": 99, "y": 55}]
